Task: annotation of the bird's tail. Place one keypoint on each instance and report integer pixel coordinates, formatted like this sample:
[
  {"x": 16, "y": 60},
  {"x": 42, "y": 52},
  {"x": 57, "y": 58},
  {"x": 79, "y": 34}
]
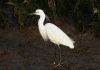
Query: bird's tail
[{"x": 71, "y": 46}]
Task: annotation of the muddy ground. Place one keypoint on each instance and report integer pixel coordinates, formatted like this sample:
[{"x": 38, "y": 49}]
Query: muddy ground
[{"x": 24, "y": 49}]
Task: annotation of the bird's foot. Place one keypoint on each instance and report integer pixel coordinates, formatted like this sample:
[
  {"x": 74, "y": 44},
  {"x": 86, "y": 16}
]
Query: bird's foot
[{"x": 57, "y": 66}]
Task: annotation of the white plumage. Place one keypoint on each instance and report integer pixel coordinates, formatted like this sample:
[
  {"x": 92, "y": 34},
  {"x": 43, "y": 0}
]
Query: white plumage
[
  {"x": 52, "y": 32},
  {"x": 57, "y": 36}
]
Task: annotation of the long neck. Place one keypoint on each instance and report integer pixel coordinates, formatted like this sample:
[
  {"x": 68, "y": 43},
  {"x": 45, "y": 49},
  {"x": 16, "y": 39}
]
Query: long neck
[
  {"x": 41, "y": 27},
  {"x": 41, "y": 20}
]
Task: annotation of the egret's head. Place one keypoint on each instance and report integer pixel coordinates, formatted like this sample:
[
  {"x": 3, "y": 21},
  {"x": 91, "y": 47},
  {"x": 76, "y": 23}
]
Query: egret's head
[{"x": 39, "y": 12}]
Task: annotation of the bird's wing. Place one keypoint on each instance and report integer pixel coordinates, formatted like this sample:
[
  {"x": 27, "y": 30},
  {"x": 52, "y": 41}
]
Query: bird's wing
[{"x": 57, "y": 36}]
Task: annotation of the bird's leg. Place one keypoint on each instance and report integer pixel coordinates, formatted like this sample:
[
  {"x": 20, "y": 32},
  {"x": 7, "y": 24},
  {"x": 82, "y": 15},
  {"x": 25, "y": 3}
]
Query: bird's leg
[
  {"x": 59, "y": 65},
  {"x": 59, "y": 54},
  {"x": 54, "y": 62}
]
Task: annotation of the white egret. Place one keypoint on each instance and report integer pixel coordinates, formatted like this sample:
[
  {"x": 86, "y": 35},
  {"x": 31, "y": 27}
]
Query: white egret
[{"x": 51, "y": 32}]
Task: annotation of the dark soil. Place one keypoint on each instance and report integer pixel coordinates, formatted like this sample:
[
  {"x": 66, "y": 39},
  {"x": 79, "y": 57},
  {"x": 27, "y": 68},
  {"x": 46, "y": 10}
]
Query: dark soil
[{"x": 24, "y": 49}]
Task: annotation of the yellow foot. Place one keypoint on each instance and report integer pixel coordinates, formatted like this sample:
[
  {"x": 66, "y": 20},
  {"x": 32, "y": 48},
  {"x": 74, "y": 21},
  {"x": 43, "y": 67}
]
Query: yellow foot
[{"x": 58, "y": 66}]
